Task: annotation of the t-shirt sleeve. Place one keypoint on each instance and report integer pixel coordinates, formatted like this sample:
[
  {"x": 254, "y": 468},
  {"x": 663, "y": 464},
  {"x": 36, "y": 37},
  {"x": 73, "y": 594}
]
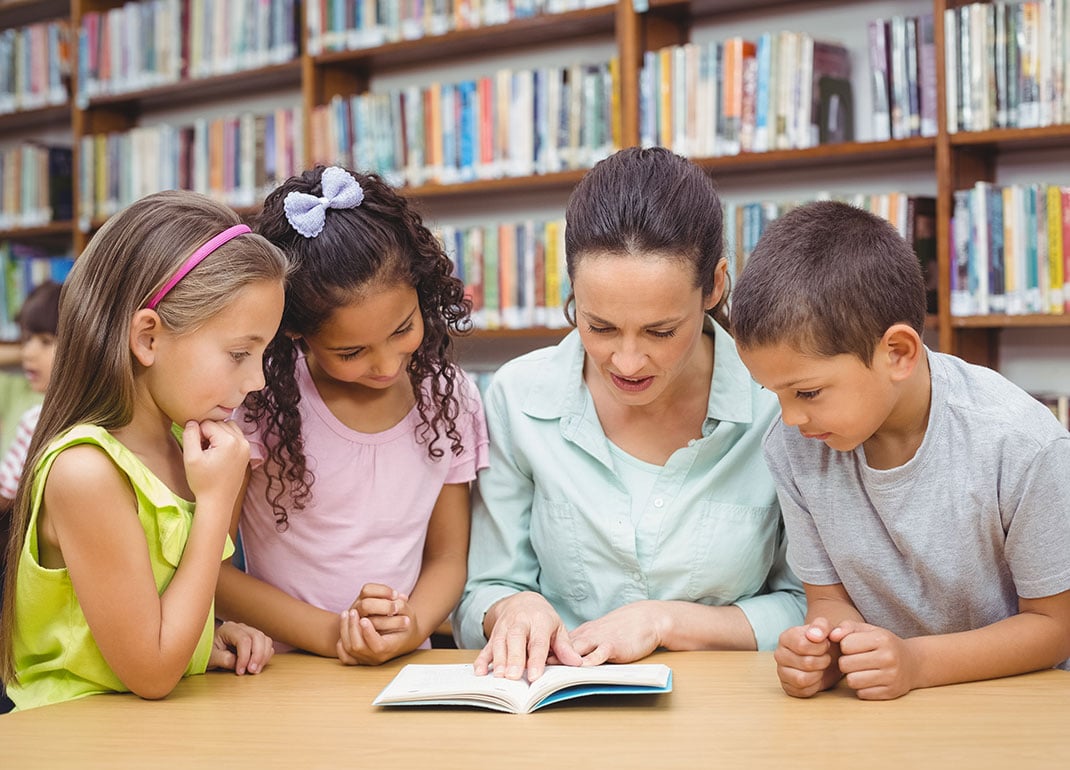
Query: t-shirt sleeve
[
  {"x": 15, "y": 459},
  {"x": 806, "y": 553},
  {"x": 1037, "y": 520},
  {"x": 472, "y": 425}
]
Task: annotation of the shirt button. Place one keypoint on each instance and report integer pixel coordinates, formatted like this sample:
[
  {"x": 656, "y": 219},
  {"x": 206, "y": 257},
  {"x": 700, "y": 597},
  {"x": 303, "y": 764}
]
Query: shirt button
[
  {"x": 637, "y": 576},
  {"x": 658, "y": 502},
  {"x": 691, "y": 442}
]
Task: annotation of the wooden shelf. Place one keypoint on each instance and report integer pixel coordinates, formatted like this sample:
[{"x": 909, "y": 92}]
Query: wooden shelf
[
  {"x": 463, "y": 43},
  {"x": 19, "y": 13},
  {"x": 844, "y": 153},
  {"x": 561, "y": 180},
  {"x": 702, "y": 8},
  {"x": 243, "y": 83},
  {"x": 994, "y": 321},
  {"x": 31, "y": 120},
  {"x": 1043, "y": 138},
  {"x": 53, "y": 231}
]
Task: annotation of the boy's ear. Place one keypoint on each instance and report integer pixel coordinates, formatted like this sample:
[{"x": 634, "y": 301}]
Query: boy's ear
[
  {"x": 902, "y": 349},
  {"x": 720, "y": 284},
  {"x": 144, "y": 329}
]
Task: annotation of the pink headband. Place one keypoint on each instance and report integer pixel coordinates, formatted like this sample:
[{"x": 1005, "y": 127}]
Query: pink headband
[{"x": 197, "y": 257}]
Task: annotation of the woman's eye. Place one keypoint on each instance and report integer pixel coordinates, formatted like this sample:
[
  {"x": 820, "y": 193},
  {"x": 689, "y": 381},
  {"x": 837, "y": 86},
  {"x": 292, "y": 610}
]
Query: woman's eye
[
  {"x": 406, "y": 330},
  {"x": 599, "y": 329},
  {"x": 806, "y": 395},
  {"x": 664, "y": 334},
  {"x": 239, "y": 356}
]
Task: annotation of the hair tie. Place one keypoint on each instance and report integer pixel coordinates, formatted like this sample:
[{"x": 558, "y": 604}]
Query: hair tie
[
  {"x": 195, "y": 259},
  {"x": 307, "y": 214}
]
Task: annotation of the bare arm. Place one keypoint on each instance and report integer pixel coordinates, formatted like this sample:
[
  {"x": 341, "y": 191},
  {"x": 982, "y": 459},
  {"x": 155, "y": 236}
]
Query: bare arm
[
  {"x": 89, "y": 524},
  {"x": 246, "y": 599},
  {"x": 445, "y": 559},
  {"x": 1037, "y": 637}
]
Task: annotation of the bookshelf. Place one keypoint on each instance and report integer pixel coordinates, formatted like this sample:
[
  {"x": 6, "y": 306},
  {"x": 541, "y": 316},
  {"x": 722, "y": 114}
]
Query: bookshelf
[{"x": 941, "y": 164}]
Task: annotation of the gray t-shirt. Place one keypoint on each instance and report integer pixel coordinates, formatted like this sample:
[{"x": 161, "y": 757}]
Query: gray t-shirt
[{"x": 948, "y": 541}]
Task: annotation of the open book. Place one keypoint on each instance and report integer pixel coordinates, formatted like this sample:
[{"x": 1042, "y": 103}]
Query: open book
[{"x": 455, "y": 684}]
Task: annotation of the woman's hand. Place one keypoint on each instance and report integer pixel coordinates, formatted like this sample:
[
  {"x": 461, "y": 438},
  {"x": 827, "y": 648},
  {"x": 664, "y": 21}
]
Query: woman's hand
[
  {"x": 526, "y": 629},
  {"x": 624, "y": 635},
  {"x": 240, "y": 648}
]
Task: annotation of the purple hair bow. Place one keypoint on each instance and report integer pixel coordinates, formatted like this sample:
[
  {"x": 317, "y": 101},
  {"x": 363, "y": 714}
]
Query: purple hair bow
[{"x": 307, "y": 214}]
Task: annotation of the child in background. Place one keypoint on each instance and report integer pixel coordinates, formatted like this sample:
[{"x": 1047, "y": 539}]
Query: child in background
[
  {"x": 37, "y": 319},
  {"x": 119, "y": 527},
  {"x": 355, "y": 521},
  {"x": 925, "y": 499}
]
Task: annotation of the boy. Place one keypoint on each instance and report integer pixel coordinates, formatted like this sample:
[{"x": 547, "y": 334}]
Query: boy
[{"x": 926, "y": 501}]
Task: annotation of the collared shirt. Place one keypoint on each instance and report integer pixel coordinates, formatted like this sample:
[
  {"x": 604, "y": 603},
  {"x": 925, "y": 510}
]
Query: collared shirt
[{"x": 552, "y": 515}]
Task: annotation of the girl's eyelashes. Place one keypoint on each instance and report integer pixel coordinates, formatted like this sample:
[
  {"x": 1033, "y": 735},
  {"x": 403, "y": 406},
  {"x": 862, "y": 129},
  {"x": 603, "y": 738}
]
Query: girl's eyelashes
[
  {"x": 806, "y": 395},
  {"x": 405, "y": 329},
  {"x": 349, "y": 356},
  {"x": 599, "y": 329},
  {"x": 239, "y": 355},
  {"x": 664, "y": 334}
]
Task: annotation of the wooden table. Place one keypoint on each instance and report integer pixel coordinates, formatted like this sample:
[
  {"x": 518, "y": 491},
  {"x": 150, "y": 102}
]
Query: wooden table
[{"x": 726, "y": 710}]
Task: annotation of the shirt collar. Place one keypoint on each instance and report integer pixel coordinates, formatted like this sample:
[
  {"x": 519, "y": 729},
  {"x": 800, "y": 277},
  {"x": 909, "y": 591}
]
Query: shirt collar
[{"x": 558, "y": 388}]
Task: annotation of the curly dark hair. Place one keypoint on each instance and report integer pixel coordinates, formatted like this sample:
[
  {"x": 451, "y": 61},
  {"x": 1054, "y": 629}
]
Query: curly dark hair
[{"x": 382, "y": 242}]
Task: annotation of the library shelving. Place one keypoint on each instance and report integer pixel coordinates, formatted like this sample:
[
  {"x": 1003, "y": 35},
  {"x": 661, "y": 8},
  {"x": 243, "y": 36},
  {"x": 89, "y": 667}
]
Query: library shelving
[{"x": 320, "y": 71}]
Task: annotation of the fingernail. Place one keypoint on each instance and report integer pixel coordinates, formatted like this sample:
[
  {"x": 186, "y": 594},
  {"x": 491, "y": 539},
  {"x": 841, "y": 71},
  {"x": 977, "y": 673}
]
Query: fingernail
[
  {"x": 252, "y": 668},
  {"x": 514, "y": 671}
]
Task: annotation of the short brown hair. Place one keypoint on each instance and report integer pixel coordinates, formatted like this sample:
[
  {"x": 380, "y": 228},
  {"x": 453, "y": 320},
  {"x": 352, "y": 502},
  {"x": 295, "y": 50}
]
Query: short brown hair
[{"x": 828, "y": 278}]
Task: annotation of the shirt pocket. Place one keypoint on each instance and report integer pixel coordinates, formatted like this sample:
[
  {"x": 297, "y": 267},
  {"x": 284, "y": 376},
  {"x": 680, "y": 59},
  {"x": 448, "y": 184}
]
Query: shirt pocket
[
  {"x": 732, "y": 550},
  {"x": 559, "y": 547}
]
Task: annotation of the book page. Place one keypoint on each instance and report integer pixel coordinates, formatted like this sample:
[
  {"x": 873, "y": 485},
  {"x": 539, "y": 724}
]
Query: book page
[{"x": 454, "y": 682}]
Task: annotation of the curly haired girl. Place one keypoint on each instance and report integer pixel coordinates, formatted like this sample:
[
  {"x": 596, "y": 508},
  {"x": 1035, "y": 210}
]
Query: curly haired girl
[{"x": 356, "y": 514}]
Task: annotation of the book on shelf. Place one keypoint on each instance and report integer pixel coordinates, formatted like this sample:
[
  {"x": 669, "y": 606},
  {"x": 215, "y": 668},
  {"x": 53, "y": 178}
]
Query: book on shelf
[
  {"x": 456, "y": 684},
  {"x": 34, "y": 63},
  {"x": 1008, "y": 249}
]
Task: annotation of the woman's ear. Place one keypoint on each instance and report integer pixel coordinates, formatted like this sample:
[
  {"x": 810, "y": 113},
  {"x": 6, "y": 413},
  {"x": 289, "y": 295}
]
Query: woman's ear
[
  {"x": 720, "y": 284},
  {"x": 145, "y": 328}
]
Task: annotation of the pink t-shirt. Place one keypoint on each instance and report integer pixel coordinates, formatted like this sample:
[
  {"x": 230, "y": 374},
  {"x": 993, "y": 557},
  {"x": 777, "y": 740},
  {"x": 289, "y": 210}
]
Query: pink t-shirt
[{"x": 366, "y": 520}]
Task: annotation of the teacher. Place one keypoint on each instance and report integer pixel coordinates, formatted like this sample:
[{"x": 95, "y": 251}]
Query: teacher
[{"x": 627, "y": 506}]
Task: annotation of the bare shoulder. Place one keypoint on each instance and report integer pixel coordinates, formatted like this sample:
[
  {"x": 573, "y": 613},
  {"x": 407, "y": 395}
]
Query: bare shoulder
[{"x": 84, "y": 474}]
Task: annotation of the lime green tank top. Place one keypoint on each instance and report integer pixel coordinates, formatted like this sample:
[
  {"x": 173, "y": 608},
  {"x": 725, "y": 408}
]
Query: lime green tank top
[{"x": 56, "y": 658}]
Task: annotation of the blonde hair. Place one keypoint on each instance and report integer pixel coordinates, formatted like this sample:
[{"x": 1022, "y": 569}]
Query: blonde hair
[{"x": 126, "y": 263}]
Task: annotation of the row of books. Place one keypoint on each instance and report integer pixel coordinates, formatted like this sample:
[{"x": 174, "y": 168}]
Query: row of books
[
  {"x": 37, "y": 185},
  {"x": 338, "y": 25},
  {"x": 22, "y": 267},
  {"x": 237, "y": 160},
  {"x": 513, "y": 272},
  {"x": 154, "y": 42},
  {"x": 512, "y": 123},
  {"x": 1008, "y": 65},
  {"x": 902, "y": 56},
  {"x": 1010, "y": 247},
  {"x": 34, "y": 66},
  {"x": 1058, "y": 403},
  {"x": 913, "y": 216},
  {"x": 786, "y": 91}
]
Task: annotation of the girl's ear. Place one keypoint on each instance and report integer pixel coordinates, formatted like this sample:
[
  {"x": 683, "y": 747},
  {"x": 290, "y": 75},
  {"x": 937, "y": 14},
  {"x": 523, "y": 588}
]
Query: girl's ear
[
  {"x": 720, "y": 284},
  {"x": 144, "y": 329}
]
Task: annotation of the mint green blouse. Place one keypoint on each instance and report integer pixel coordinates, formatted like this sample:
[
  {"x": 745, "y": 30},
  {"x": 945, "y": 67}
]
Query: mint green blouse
[
  {"x": 553, "y": 514},
  {"x": 56, "y": 657}
]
